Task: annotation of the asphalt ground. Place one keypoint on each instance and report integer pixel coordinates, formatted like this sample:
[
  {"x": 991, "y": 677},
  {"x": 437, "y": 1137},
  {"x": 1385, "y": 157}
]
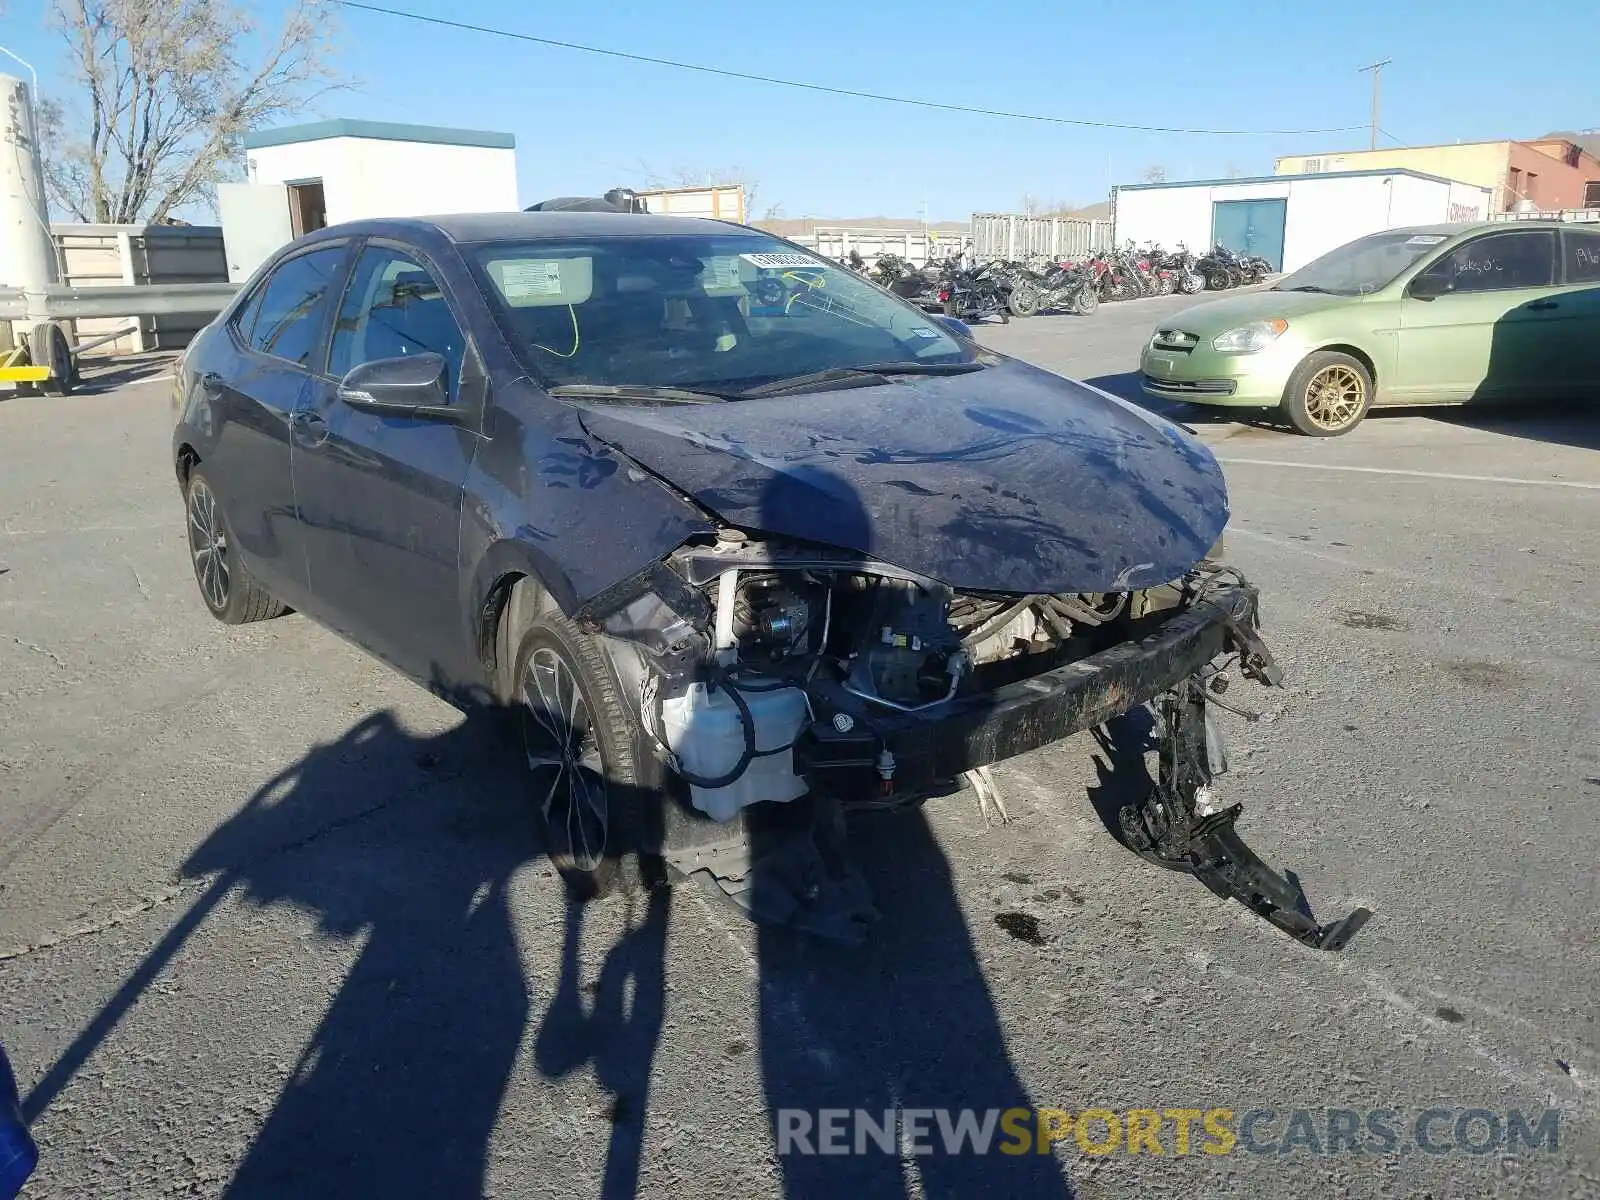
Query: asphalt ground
[{"x": 273, "y": 923}]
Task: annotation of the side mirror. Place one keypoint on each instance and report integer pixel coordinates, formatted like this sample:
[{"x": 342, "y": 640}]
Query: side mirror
[
  {"x": 412, "y": 385},
  {"x": 1429, "y": 286},
  {"x": 955, "y": 325}
]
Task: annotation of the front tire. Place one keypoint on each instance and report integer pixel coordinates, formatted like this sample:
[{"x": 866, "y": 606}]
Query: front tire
[
  {"x": 1328, "y": 394},
  {"x": 228, "y": 589},
  {"x": 591, "y": 773}
]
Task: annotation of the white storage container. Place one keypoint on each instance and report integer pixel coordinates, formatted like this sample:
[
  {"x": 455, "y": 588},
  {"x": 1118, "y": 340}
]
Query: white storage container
[{"x": 703, "y": 729}]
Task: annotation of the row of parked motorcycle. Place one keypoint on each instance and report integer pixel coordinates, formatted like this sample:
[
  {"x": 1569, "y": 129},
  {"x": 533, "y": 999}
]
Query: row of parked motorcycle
[{"x": 1006, "y": 289}]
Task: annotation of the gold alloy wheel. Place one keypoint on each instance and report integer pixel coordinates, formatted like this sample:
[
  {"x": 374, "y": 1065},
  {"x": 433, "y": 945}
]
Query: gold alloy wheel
[{"x": 1334, "y": 396}]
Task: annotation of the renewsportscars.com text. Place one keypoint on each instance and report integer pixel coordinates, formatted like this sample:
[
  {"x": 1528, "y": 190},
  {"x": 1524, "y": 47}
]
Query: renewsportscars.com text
[{"x": 1175, "y": 1132}]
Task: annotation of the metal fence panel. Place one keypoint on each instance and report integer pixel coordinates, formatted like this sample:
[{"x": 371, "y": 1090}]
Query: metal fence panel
[
  {"x": 916, "y": 245},
  {"x": 1017, "y": 235}
]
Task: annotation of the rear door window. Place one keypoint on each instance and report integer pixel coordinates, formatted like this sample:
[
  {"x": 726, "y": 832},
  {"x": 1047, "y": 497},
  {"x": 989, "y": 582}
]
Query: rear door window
[
  {"x": 289, "y": 316},
  {"x": 1580, "y": 254}
]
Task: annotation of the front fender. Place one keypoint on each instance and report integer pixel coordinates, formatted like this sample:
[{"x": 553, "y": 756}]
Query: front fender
[{"x": 545, "y": 499}]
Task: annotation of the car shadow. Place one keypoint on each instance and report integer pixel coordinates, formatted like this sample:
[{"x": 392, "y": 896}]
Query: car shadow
[
  {"x": 1125, "y": 386},
  {"x": 97, "y": 376},
  {"x": 1557, "y": 425}
]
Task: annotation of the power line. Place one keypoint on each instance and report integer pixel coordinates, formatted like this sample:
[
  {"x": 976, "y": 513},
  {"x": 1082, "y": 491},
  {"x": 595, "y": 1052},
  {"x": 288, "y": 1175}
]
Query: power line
[{"x": 819, "y": 87}]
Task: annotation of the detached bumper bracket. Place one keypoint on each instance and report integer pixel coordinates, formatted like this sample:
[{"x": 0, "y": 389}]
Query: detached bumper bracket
[{"x": 1179, "y": 826}]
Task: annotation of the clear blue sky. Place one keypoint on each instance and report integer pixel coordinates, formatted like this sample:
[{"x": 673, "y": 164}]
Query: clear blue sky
[{"x": 1461, "y": 71}]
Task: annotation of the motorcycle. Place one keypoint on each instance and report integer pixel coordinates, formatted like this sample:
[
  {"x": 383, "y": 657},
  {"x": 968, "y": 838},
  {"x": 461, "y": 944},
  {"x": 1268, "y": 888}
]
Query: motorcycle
[
  {"x": 1067, "y": 287},
  {"x": 1184, "y": 270},
  {"x": 921, "y": 285},
  {"x": 971, "y": 294},
  {"x": 1220, "y": 269},
  {"x": 1254, "y": 267}
]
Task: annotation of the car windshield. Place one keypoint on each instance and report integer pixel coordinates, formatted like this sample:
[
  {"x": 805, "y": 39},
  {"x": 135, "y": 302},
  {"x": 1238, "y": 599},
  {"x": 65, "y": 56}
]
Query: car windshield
[
  {"x": 1364, "y": 265},
  {"x": 716, "y": 314}
]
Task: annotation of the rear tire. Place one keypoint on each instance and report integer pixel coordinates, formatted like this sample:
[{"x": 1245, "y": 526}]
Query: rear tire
[
  {"x": 592, "y": 773},
  {"x": 1328, "y": 394},
  {"x": 230, "y": 592},
  {"x": 1023, "y": 302}
]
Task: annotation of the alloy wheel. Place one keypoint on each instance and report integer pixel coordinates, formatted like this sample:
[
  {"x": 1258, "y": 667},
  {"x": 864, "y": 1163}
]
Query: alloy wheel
[
  {"x": 1335, "y": 396},
  {"x": 564, "y": 756},
  {"x": 208, "y": 545}
]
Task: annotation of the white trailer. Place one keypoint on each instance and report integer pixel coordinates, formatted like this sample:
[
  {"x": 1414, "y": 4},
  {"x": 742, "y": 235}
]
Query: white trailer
[{"x": 1290, "y": 219}]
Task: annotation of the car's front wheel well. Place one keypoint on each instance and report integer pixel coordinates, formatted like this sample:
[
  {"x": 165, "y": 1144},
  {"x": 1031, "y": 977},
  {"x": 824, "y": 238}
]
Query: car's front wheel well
[
  {"x": 1361, "y": 356},
  {"x": 510, "y": 605}
]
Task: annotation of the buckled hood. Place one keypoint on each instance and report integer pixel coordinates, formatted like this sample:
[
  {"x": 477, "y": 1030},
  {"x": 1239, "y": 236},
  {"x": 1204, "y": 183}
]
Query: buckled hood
[{"x": 1007, "y": 479}]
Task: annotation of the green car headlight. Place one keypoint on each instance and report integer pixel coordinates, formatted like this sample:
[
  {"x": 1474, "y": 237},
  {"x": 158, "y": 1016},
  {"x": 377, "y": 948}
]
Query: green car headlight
[{"x": 1247, "y": 339}]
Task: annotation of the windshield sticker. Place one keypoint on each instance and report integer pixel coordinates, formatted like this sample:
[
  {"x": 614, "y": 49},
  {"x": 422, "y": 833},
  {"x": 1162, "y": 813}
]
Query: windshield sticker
[
  {"x": 722, "y": 271},
  {"x": 922, "y": 331},
  {"x": 1425, "y": 239},
  {"x": 526, "y": 279},
  {"x": 769, "y": 262}
]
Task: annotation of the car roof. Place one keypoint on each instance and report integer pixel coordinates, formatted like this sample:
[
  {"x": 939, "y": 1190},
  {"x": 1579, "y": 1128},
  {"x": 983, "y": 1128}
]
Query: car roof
[
  {"x": 1460, "y": 228},
  {"x": 516, "y": 226}
]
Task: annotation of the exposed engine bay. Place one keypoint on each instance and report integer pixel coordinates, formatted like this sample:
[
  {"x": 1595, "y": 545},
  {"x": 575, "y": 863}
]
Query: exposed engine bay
[{"x": 766, "y": 671}]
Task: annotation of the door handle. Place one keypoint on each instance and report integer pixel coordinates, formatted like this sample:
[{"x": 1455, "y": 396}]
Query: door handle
[{"x": 1542, "y": 306}]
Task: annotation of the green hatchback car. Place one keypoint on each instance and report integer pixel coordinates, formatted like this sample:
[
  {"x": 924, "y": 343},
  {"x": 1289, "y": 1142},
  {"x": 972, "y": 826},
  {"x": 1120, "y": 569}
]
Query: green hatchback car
[{"x": 1436, "y": 314}]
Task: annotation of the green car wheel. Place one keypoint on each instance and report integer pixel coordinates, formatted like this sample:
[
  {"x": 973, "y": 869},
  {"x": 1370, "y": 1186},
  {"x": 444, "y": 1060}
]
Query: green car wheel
[{"x": 1328, "y": 394}]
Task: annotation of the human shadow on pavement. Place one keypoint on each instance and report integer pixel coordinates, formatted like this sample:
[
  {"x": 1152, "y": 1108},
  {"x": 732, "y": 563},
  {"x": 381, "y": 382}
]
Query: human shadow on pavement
[
  {"x": 399, "y": 1089},
  {"x": 903, "y": 1021},
  {"x": 404, "y": 846},
  {"x": 613, "y": 1024}
]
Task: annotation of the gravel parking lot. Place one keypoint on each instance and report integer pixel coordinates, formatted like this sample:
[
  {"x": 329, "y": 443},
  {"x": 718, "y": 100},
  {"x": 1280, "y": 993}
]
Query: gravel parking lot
[{"x": 272, "y": 923}]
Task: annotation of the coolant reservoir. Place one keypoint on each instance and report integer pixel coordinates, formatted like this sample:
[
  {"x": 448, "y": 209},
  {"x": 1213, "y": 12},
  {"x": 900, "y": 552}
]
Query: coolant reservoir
[{"x": 703, "y": 729}]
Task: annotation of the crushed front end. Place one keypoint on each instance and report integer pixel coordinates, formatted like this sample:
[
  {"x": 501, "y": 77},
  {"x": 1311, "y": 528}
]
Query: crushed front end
[{"x": 768, "y": 672}]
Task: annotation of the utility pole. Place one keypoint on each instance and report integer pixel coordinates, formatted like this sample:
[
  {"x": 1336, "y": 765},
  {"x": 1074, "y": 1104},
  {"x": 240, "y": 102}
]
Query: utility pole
[
  {"x": 27, "y": 252},
  {"x": 1377, "y": 74}
]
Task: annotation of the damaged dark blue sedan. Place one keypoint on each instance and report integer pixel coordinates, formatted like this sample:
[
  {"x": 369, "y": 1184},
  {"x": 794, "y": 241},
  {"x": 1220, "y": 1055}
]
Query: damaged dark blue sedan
[{"x": 735, "y": 534}]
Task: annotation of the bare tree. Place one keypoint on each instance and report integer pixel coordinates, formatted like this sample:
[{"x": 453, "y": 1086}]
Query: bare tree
[
  {"x": 1155, "y": 173},
  {"x": 168, "y": 89},
  {"x": 1031, "y": 204}
]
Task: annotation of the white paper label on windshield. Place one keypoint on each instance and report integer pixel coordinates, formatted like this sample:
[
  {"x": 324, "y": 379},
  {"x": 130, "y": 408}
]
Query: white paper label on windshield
[
  {"x": 922, "y": 331},
  {"x": 525, "y": 279},
  {"x": 722, "y": 271},
  {"x": 777, "y": 261},
  {"x": 1425, "y": 239}
]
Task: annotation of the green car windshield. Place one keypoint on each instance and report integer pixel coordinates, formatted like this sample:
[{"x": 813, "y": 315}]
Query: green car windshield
[
  {"x": 719, "y": 313},
  {"x": 1364, "y": 265}
]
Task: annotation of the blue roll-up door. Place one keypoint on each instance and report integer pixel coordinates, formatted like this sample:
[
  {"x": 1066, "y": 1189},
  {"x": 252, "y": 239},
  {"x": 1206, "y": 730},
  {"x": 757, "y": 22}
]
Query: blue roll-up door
[{"x": 1251, "y": 227}]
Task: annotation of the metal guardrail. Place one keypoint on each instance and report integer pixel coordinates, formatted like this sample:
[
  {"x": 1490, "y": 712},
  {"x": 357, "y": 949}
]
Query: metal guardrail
[{"x": 60, "y": 303}]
